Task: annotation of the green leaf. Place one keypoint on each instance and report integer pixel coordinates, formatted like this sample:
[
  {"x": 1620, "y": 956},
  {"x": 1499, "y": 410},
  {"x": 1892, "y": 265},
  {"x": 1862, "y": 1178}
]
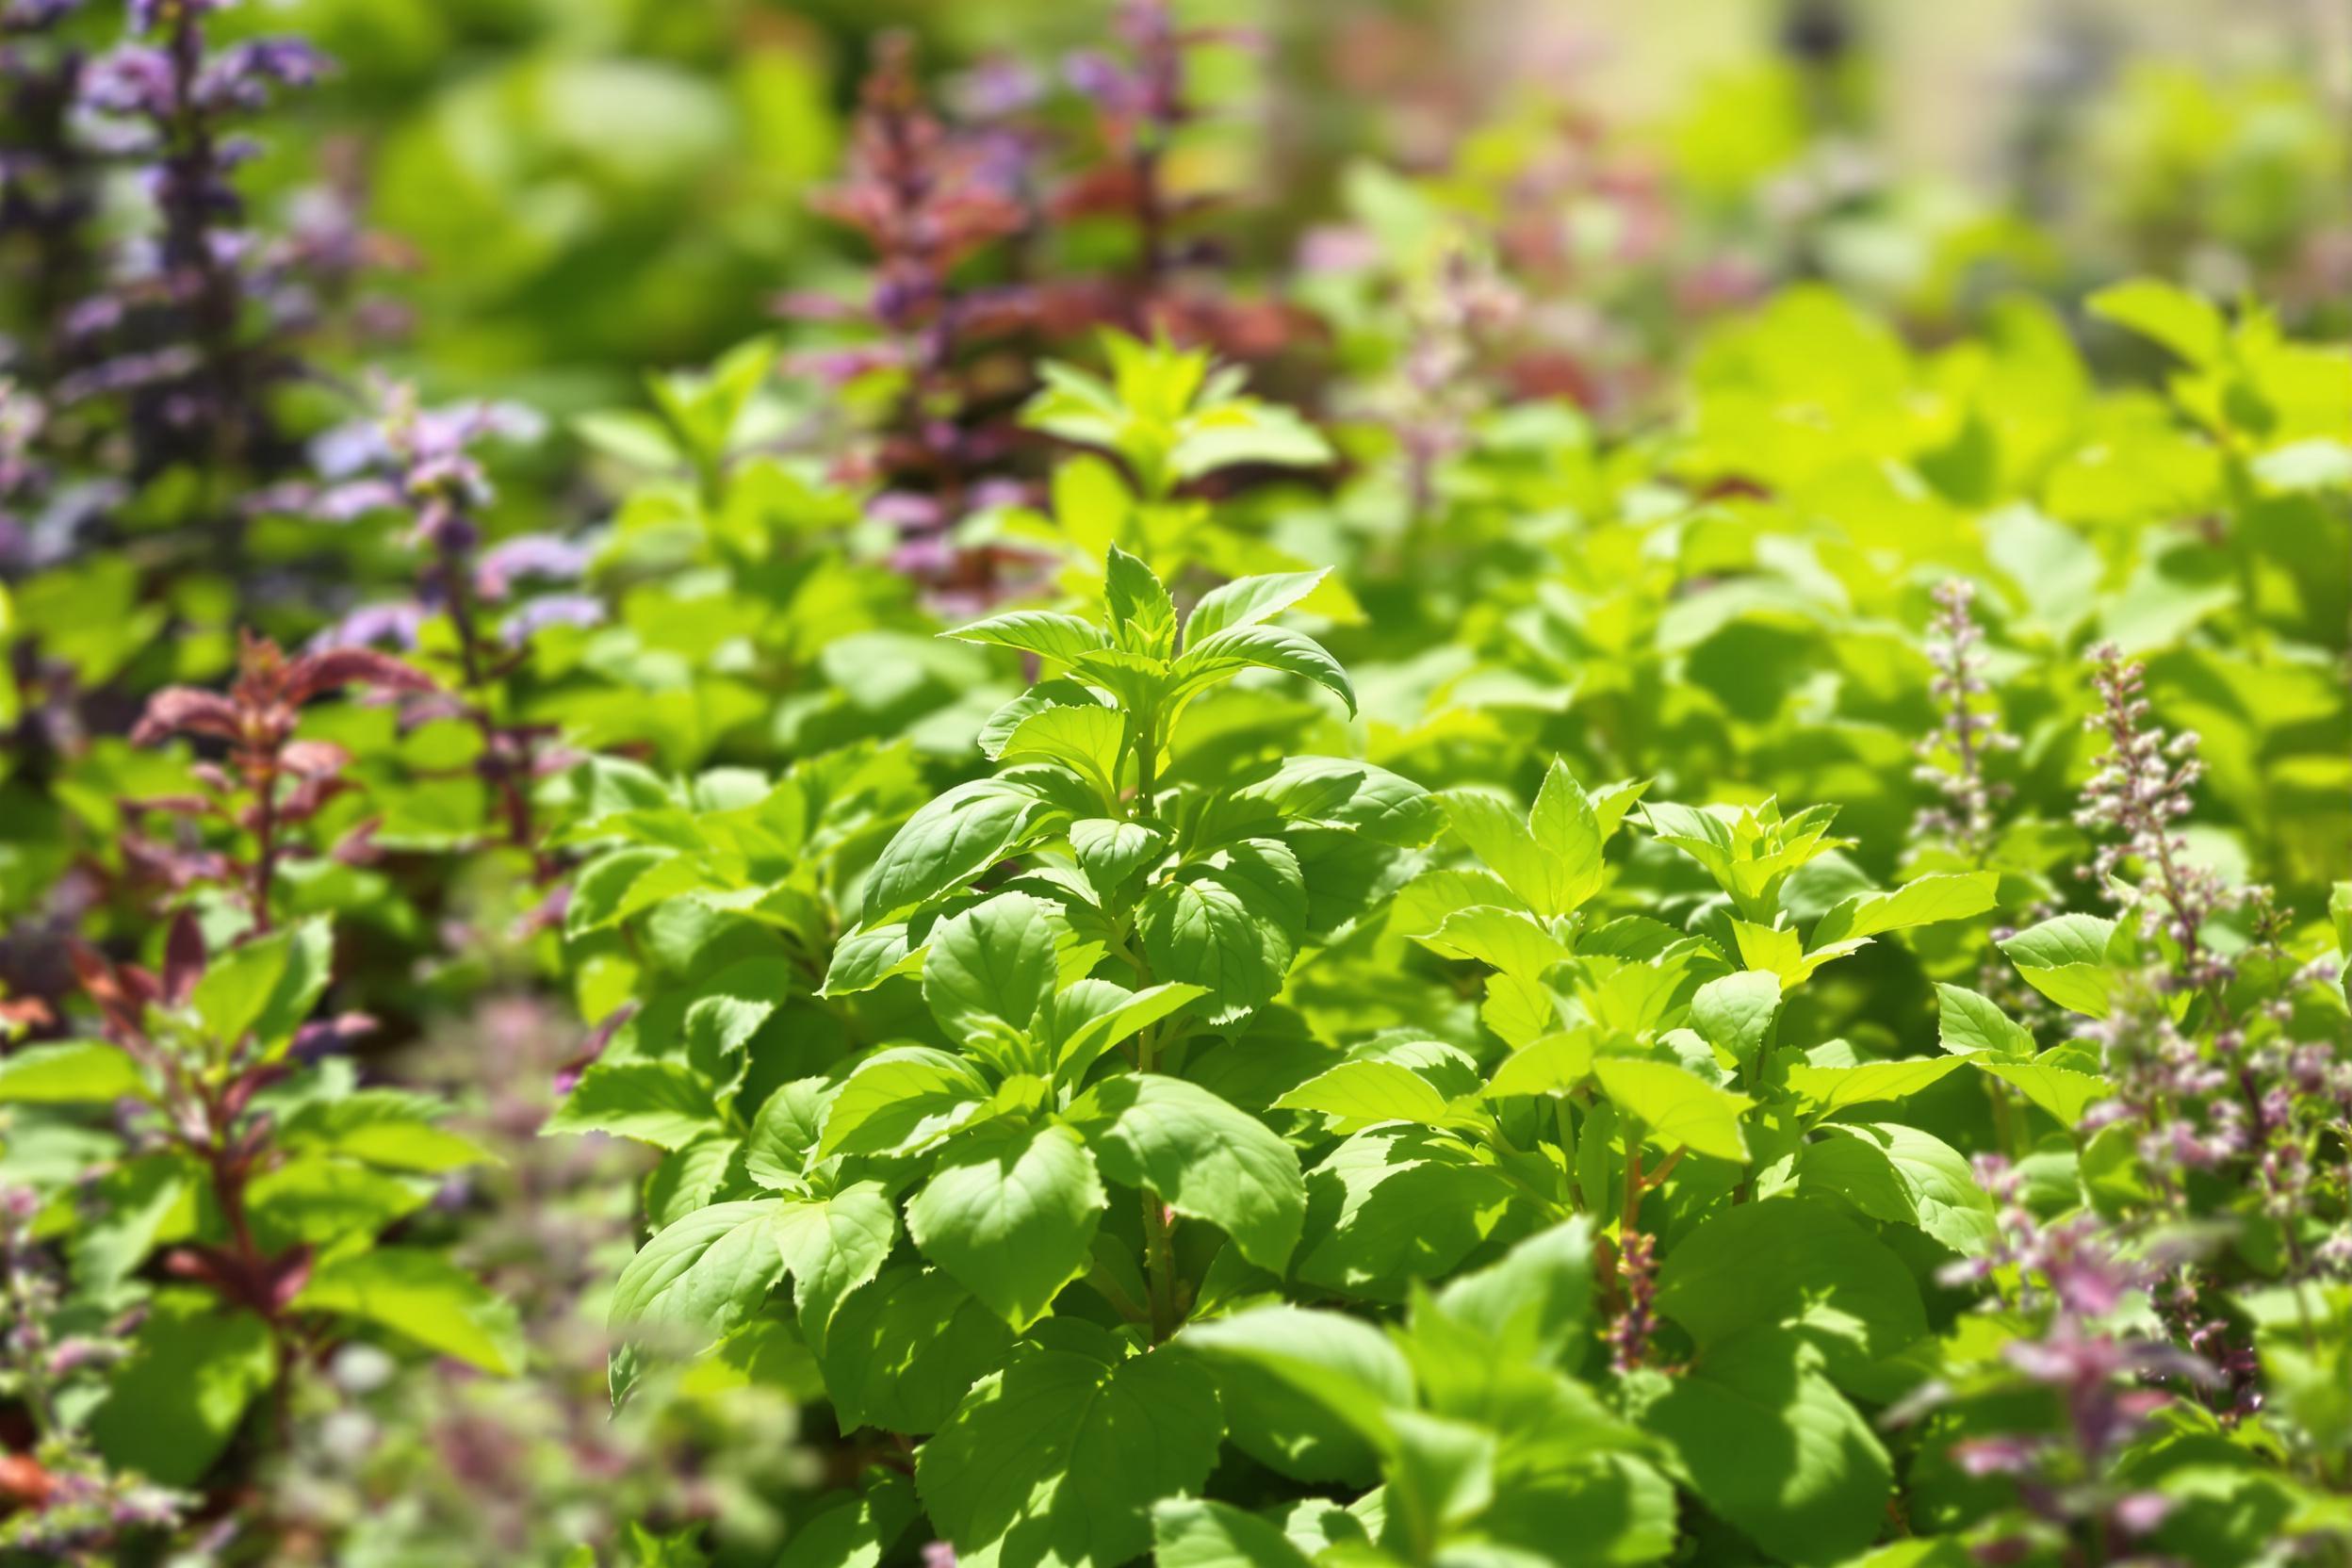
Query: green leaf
[
  {"x": 2188, "y": 324},
  {"x": 385, "y": 1127},
  {"x": 1554, "y": 872},
  {"x": 606, "y": 890},
  {"x": 1143, "y": 617},
  {"x": 1202, "y": 1156},
  {"x": 1110, "y": 849},
  {"x": 1736, "y": 1013},
  {"x": 1778, "y": 950},
  {"x": 1224, "y": 654},
  {"x": 704, "y": 1274},
  {"x": 1775, "y": 1448},
  {"x": 192, "y": 1370},
  {"x": 1230, "y": 923},
  {"x": 1011, "y": 1211},
  {"x": 1925, "y": 902},
  {"x": 1532, "y": 1306},
  {"x": 1055, "y": 1461},
  {"x": 316, "y": 1200},
  {"x": 422, "y": 1296},
  {"x": 1042, "y": 632},
  {"x": 866, "y": 956},
  {"x": 900, "y": 1100},
  {"x": 1363, "y": 1093},
  {"x": 1972, "y": 1024},
  {"x": 901, "y": 1351},
  {"x": 1503, "y": 940},
  {"x": 1676, "y": 1109},
  {"x": 858, "y": 1532},
  {"x": 1306, "y": 1392},
  {"x": 785, "y": 1134},
  {"x": 1567, "y": 829},
  {"x": 1826, "y": 1090},
  {"x": 267, "y": 987},
  {"x": 2065, "y": 1093},
  {"x": 831, "y": 1246},
  {"x": 1394, "y": 1204},
  {"x": 1092, "y": 1016},
  {"x": 2065, "y": 959},
  {"x": 947, "y": 844},
  {"x": 992, "y": 969},
  {"x": 70, "y": 1072},
  {"x": 1903, "y": 1176},
  {"x": 666, "y": 1103},
  {"x": 689, "y": 1178},
  {"x": 137, "y": 1201},
  {"x": 1553, "y": 1064},
  {"x": 1799, "y": 1264},
  {"x": 1247, "y": 601},
  {"x": 1190, "y": 1532},
  {"x": 1086, "y": 740}
]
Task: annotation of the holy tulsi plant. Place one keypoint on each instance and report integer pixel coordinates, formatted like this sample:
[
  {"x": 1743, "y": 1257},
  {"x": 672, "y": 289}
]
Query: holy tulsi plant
[{"x": 1585, "y": 911}]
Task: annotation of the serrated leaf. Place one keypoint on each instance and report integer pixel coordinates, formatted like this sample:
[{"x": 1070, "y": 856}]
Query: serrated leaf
[
  {"x": 1109, "y": 850},
  {"x": 1088, "y": 741},
  {"x": 1363, "y": 1093},
  {"x": 1970, "y": 1024},
  {"x": 1055, "y": 1461},
  {"x": 1143, "y": 617},
  {"x": 663, "y": 1103},
  {"x": 1925, "y": 902},
  {"x": 1734, "y": 1014},
  {"x": 992, "y": 969},
  {"x": 1046, "y": 633},
  {"x": 831, "y": 1246},
  {"x": 1903, "y": 1176},
  {"x": 1676, "y": 1109},
  {"x": 1503, "y": 940},
  {"x": 1247, "y": 601},
  {"x": 2065, "y": 1093},
  {"x": 785, "y": 1133},
  {"x": 1226, "y": 653},
  {"x": 1202, "y": 1156},
  {"x": 901, "y": 1351},
  {"x": 1826, "y": 1090},
  {"x": 704, "y": 1274},
  {"x": 900, "y": 1098},
  {"x": 2065, "y": 959},
  {"x": 948, "y": 843},
  {"x": 1011, "y": 1211},
  {"x": 1230, "y": 923}
]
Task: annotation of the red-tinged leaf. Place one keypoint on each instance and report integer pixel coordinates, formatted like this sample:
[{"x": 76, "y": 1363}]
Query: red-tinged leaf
[
  {"x": 122, "y": 994},
  {"x": 186, "y": 711},
  {"x": 358, "y": 846},
  {"x": 317, "y": 673},
  {"x": 177, "y": 805},
  {"x": 183, "y": 958},
  {"x": 314, "y": 759}
]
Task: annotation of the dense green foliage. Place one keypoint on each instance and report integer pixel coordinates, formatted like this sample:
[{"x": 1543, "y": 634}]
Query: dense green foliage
[{"x": 1109, "y": 910}]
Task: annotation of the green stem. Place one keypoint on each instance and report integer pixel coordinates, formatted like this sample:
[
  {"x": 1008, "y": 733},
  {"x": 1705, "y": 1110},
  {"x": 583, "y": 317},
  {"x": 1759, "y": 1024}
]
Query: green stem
[
  {"x": 1159, "y": 1258},
  {"x": 1566, "y": 1120},
  {"x": 1146, "y": 763}
]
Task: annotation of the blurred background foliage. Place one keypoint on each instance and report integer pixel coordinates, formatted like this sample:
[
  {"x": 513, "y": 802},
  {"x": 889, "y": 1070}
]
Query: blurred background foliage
[{"x": 592, "y": 186}]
